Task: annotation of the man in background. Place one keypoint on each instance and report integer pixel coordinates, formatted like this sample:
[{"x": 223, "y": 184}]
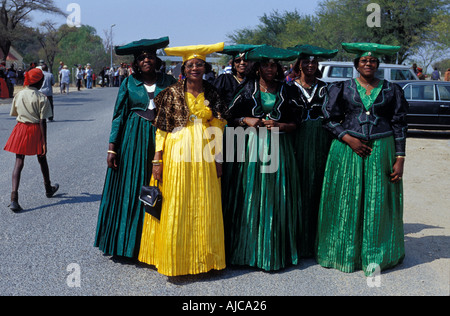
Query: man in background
[{"x": 47, "y": 87}]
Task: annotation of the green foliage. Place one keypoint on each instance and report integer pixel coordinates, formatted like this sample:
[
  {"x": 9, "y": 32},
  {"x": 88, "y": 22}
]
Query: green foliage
[
  {"x": 14, "y": 14},
  {"x": 410, "y": 24},
  {"x": 280, "y": 30},
  {"x": 83, "y": 46}
]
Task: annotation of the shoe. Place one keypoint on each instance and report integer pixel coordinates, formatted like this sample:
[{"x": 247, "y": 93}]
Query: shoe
[
  {"x": 52, "y": 191},
  {"x": 15, "y": 207}
]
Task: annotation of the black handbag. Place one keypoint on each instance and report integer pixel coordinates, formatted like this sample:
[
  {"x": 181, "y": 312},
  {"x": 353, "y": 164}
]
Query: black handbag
[{"x": 152, "y": 198}]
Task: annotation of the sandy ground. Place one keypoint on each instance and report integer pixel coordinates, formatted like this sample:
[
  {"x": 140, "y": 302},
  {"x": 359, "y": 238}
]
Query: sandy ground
[{"x": 427, "y": 199}]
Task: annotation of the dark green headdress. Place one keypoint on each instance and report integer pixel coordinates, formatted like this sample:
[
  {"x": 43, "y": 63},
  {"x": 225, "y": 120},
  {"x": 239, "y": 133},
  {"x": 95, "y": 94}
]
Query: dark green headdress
[
  {"x": 267, "y": 52},
  {"x": 144, "y": 45},
  {"x": 370, "y": 49},
  {"x": 307, "y": 51},
  {"x": 238, "y": 49}
]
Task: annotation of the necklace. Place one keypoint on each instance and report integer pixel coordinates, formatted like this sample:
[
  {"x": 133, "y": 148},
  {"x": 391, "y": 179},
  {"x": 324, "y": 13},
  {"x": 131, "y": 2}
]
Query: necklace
[
  {"x": 237, "y": 79},
  {"x": 266, "y": 89},
  {"x": 263, "y": 87},
  {"x": 367, "y": 84},
  {"x": 310, "y": 86}
]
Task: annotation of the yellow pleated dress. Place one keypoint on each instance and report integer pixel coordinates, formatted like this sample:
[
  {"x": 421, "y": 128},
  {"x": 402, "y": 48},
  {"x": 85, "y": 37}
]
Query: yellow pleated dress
[{"x": 189, "y": 238}]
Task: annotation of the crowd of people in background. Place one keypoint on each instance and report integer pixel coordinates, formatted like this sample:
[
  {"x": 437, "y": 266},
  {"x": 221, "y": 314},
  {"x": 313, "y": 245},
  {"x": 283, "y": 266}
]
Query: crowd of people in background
[
  {"x": 84, "y": 77},
  {"x": 9, "y": 77}
]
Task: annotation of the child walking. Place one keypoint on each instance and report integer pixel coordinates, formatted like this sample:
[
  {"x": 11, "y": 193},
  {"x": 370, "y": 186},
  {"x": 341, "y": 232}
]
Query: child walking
[{"x": 29, "y": 136}]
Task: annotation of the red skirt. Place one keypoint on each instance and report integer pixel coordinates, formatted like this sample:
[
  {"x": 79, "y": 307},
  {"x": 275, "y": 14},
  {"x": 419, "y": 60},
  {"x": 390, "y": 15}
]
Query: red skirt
[
  {"x": 4, "y": 92},
  {"x": 25, "y": 139}
]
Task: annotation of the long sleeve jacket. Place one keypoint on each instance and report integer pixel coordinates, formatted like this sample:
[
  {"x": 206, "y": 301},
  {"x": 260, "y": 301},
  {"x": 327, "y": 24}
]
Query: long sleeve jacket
[
  {"x": 133, "y": 97},
  {"x": 345, "y": 113},
  {"x": 247, "y": 103}
]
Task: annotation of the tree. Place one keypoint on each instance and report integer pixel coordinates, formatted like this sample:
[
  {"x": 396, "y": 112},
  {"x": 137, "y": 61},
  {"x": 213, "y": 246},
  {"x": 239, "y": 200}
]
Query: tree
[
  {"x": 13, "y": 13},
  {"x": 411, "y": 24},
  {"x": 82, "y": 46},
  {"x": 436, "y": 45},
  {"x": 50, "y": 39},
  {"x": 404, "y": 23},
  {"x": 280, "y": 29}
]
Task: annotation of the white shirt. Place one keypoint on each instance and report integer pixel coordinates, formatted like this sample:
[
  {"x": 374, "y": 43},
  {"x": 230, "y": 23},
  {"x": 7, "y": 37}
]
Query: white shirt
[
  {"x": 65, "y": 75},
  {"x": 151, "y": 89}
]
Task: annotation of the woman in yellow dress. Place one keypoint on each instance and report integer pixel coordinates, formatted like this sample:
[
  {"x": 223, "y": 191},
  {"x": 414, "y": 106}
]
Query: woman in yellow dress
[{"x": 189, "y": 237}]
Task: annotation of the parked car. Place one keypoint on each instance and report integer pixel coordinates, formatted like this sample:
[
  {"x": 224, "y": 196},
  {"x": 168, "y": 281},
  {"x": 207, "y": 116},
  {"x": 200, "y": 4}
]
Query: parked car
[
  {"x": 338, "y": 71},
  {"x": 429, "y": 103}
]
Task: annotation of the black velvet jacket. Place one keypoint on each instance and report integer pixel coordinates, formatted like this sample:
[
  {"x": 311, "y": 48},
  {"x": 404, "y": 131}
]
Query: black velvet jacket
[
  {"x": 226, "y": 86},
  {"x": 247, "y": 103},
  {"x": 344, "y": 113},
  {"x": 309, "y": 109}
]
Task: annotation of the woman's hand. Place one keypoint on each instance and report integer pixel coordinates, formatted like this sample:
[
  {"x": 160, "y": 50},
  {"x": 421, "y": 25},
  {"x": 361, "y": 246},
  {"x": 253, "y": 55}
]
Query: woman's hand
[
  {"x": 157, "y": 172},
  {"x": 357, "y": 145},
  {"x": 271, "y": 123},
  {"x": 157, "y": 169},
  {"x": 112, "y": 161},
  {"x": 282, "y": 127},
  {"x": 253, "y": 122},
  {"x": 397, "y": 174}
]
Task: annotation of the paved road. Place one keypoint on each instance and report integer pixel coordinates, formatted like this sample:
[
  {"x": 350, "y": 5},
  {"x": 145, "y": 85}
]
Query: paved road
[{"x": 44, "y": 249}]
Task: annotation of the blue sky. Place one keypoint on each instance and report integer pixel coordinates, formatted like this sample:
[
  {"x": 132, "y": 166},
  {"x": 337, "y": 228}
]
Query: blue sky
[{"x": 185, "y": 22}]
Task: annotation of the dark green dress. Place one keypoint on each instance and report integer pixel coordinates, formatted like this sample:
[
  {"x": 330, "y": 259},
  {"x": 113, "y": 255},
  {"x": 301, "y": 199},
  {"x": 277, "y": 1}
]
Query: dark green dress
[
  {"x": 121, "y": 213},
  {"x": 262, "y": 210},
  {"x": 312, "y": 143}
]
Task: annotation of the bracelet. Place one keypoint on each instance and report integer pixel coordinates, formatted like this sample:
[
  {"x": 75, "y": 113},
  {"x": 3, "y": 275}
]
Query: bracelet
[
  {"x": 156, "y": 161},
  {"x": 157, "y": 164},
  {"x": 403, "y": 157},
  {"x": 112, "y": 152}
]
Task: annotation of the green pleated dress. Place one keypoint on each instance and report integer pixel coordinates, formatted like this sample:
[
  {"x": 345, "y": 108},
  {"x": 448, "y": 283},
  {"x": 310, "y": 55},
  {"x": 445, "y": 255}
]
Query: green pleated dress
[
  {"x": 262, "y": 211},
  {"x": 121, "y": 214},
  {"x": 312, "y": 143},
  {"x": 360, "y": 224}
]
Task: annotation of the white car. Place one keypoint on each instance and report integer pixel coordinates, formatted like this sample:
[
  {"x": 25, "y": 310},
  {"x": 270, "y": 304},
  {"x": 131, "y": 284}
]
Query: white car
[{"x": 339, "y": 71}]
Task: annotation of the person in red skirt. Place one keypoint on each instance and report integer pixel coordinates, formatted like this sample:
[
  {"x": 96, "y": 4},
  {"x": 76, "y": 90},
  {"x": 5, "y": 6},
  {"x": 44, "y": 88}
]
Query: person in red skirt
[{"x": 29, "y": 136}]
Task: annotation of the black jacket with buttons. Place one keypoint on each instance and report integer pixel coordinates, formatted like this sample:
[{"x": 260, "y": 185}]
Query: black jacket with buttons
[{"x": 345, "y": 113}]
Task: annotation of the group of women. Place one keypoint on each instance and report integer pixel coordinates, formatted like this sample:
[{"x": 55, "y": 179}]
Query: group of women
[{"x": 335, "y": 192}]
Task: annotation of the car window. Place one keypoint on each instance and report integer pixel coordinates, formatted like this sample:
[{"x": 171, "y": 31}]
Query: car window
[
  {"x": 444, "y": 92},
  {"x": 341, "y": 72},
  {"x": 422, "y": 92},
  {"x": 401, "y": 74},
  {"x": 407, "y": 91}
]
